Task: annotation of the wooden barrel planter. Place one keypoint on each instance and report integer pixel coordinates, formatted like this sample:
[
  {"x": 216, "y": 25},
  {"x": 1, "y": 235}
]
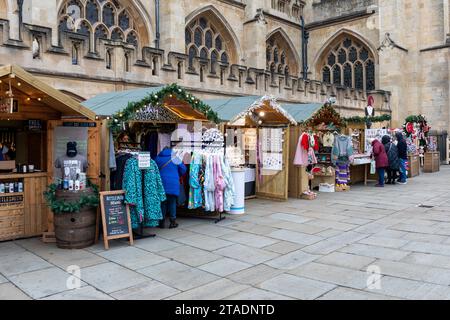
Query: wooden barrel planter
[{"x": 75, "y": 230}]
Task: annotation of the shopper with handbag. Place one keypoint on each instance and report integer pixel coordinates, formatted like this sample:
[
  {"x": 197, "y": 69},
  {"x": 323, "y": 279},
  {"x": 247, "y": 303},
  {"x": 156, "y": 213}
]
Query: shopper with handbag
[
  {"x": 381, "y": 160},
  {"x": 171, "y": 169}
]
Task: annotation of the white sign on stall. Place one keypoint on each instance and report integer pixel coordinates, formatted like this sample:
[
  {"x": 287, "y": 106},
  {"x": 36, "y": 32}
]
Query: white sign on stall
[
  {"x": 374, "y": 134},
  {"x": 144, "y": 160}
]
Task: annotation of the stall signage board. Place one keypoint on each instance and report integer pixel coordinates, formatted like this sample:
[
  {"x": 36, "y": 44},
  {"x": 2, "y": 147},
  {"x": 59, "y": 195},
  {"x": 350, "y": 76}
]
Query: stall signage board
[
  {"x": 115, "y": 217},
  {"x": 80, "y": 124},
  {"x": 144, "y": 160},
  {"x": 373, "y": 134}
]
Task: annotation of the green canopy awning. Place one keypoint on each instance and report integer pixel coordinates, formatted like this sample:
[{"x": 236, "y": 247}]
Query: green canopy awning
[
  {"x": 229, "y": 108},
  {"x": 302, "y": 112},
  {"x": 107, "y": 104}
]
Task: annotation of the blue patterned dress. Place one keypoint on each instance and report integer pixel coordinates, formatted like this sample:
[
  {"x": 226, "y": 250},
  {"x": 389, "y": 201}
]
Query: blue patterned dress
[{"x": 144, "y": 197}]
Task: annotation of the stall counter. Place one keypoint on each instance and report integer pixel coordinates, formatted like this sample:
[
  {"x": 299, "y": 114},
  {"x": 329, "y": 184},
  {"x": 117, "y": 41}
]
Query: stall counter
[{"x": 23, "y": 214}]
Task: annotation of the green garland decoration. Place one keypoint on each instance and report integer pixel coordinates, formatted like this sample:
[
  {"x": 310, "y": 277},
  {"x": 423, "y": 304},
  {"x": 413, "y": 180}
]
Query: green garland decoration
[
  {"x": 416, "y": 119},
  {"x": 118, "y": 120},
  {"x": 325, "y": 114},
  {"x": 383, "y": 118},
  {"x": 62, "y": 206}
]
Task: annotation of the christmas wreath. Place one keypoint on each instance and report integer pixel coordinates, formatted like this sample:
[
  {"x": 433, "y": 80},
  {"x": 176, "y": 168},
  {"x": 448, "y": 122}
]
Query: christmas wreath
[{"x": 59, "y": 206}]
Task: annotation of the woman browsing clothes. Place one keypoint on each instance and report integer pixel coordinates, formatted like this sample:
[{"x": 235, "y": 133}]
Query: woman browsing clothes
[
  {"x": 381, "y": 160},
  {"x": 171, "y": 169}
]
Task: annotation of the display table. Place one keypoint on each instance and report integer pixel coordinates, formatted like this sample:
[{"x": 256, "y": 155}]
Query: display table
[
  {"x": 414, "y": 166},
  {"x": 360, "y": 169},
  {"x": 23, "y": 214},
  {"x": 432, "y": 162}
]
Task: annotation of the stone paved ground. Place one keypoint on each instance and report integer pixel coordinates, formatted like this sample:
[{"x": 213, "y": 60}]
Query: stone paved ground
[{"x": 295, "y": 250}]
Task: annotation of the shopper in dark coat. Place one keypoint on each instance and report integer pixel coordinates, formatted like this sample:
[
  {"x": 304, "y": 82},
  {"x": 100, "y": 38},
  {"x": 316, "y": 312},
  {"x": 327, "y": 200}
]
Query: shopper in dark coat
[
  {"x": 403, "y": 156},
  {"x": 394, "y": 161},
  {"x": 381, "y": 161},
  {"x": 171, "y": 169}
]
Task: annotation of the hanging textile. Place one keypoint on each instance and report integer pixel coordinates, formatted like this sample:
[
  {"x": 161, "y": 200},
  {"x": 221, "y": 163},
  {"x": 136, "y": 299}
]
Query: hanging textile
[
  {"x": 117, "y": 175},
  {"x": 144, "y": 194},
  {"x": 229, "y": 193},
  {"x": 195, "y": 192},
  {"x": 209, "y": 185},
  {"x": 219, "y": 182},
  {"x": 342, "y": 150},
  {"x": 343, "y": 174}
]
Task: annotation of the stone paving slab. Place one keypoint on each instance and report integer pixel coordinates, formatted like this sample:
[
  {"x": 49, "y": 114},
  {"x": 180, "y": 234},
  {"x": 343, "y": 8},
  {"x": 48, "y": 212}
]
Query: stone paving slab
[
  {"x": 342, "y": 294},
  {"x": 292, "y": 260},
  {"x": 110, "y": 277},
  {"x": 149, "y": 290},
  {"x": 413, "y": 290},
  {"x": 61, "y": 257},
  {"x": 204, "y": 242},
  {"x": 427, "y": 259},
  {"x": 296, "y": 287},
  {"x": 255, "y": 275},
  {"x": 332, "y": 274},
  {"x": 346, "y": 260},
  {"x": 375, "y": 252},
  {"x": 384, "y": 242},
  {"x": 8, "y": 291},
  {"x": 414, "y": 272},
  {"x": 21, "y": 262},
  {"x": 296, "y": 237},
  {"x": 283, "y": 247},
  {"x": 216, "y": 290},
  {"x": 133, "y": 258},
  {"x": 191, "y": 256},
  {"x": 247, "y": 254},
  {"x": 178, "y": 276},
  {"x": 257, "y": 294},
  {"x": 224, "y": 267},
  {"x": 84, "y": 293},
  {"x": 10, "y": 248},
  {"x": 425, "y": 247},
  {"x": 156, "y": 245},
  {"x": 248, "y": 239},
  {"x": 42, "y": 283}
]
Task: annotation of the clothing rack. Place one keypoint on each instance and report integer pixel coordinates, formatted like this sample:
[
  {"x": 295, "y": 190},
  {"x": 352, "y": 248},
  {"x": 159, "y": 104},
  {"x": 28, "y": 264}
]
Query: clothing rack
[{"x": 203, "y": 145}]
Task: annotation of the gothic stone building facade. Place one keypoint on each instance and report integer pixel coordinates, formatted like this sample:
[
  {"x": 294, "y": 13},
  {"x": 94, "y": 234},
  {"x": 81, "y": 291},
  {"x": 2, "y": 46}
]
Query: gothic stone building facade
[{"x": 297, "y": 50}]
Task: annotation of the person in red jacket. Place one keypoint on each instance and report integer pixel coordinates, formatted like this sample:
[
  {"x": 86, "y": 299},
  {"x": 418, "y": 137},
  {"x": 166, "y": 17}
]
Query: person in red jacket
[{"x": 381, "y": 160}]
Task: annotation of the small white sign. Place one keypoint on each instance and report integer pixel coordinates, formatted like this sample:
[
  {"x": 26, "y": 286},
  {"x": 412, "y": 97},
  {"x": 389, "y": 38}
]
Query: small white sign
[{"x": 144, "y": 159}]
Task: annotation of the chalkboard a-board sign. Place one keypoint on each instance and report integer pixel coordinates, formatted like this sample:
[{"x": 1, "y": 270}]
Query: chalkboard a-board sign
[{"x": 115, "y": 217}]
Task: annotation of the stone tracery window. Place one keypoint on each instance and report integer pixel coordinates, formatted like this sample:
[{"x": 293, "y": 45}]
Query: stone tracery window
[
  {"x": 349, "y": 63},
  {"x": 203, "y": 40},
  {"x": 279, "y": 58},
  {"x": 98, "y": 19}
]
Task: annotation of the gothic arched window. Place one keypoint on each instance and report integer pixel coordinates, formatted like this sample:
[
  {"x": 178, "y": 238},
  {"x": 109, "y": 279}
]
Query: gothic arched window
[
  {"x": 106, "y": 19},
  {"x": 279, "y": 54},
  {"x": 201, "y": 36},
  {"x": 349, "y": 63}
]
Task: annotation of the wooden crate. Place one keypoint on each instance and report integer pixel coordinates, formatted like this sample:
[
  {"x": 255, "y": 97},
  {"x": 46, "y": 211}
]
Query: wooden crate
[
  {"x": 342, "y": 188},
  {"x": 414, "y": 166},
  {"x": 432, "y": 162}
]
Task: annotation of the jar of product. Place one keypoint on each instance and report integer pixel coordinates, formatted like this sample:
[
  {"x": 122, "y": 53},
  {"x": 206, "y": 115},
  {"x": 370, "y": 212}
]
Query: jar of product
[
  {"x": 24, "y": 168},
  {"x": 11, "y": 187},
  {"x": 16, "y": 187},
  {"x": 2, "y": 188},
  {"x": 20, "y": 186}
]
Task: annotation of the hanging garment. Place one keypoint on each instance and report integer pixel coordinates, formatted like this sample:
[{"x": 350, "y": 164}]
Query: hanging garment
[
  {"x": 220, "y": 184},
  {"x": 117, "y": 175},
  {"x": 132, "y": 184},
  {"x": 343, "y": 174},
  {"x": 195, "y": 191},
  {"x": 229, "y": 193},
  {"x": 328, "y": 140},
  {"x": 342, "y": 150},
  {"x": 144, "y": 194},
  {"x": 112, "y": 155},
  {"x": 301, "y": 154},
  {"x": 151, "y": 144},
  {"x": 209, "y": 187},
  {"x": 154, "y": 195},
  {"x": 311, "y": 156}
]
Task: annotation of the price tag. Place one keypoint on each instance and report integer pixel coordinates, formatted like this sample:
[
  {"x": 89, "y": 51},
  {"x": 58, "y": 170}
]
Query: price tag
[{"x": 144, "y": 160}]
